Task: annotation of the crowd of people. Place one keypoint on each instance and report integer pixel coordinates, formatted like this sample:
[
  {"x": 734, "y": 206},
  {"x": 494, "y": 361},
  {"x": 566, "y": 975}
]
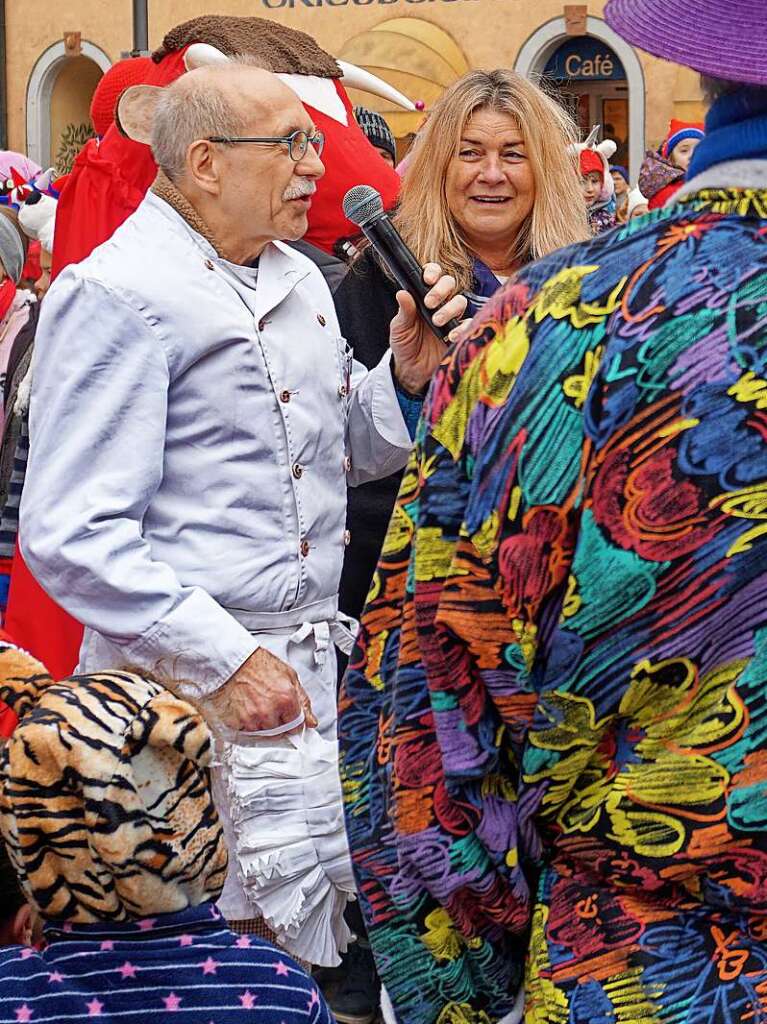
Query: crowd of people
[
  {"x": 529, "y": 784},
  {"x": 610, "y": 198}
]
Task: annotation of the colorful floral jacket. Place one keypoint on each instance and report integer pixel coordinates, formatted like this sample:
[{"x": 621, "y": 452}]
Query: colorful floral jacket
[{"x": 554, "y": 726}]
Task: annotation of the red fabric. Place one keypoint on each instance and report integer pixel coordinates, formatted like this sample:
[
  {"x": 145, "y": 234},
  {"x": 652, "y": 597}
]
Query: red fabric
[
  {"x": 662, "y": 197},
  {"x": 591, "y": 161},
  {"x": 8, "y": 719},
  {"x": 123, "y": 74},
  {"x": 39, "y": 625},
  {"x": 108, "y": 181},
  {"x": 349, "y": 160},
  {"x": 7, "y": 295},
  {"x": 32, "y": 269}
]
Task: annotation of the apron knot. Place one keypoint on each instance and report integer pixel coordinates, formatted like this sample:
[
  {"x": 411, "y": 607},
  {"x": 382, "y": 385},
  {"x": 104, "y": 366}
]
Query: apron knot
[{"x": 342, "y": 630}]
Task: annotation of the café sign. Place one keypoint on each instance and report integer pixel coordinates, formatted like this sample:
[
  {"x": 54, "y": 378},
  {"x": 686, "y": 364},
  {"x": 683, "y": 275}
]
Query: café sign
[{"x": 584, "y": 59}]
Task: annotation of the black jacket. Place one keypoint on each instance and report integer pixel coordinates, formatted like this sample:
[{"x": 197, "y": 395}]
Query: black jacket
[
  {"x": 365, "y": 305},
  {"x": 331, "y": 268}
]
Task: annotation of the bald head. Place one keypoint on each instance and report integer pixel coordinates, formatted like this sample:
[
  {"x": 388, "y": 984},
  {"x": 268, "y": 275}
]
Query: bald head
[{"x": 226, "y": 99}]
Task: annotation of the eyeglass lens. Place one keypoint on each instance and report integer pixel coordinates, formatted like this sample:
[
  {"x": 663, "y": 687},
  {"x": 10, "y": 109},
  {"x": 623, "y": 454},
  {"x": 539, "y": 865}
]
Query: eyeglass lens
[{"x": 299, "y": 143}]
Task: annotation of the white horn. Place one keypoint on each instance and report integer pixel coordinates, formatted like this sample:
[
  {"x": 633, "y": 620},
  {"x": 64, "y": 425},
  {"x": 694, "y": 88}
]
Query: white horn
[
  {"x": 592, "y": 137},
  {"x": 358, "y": 78},
  {"x": 202, "y": 55}
]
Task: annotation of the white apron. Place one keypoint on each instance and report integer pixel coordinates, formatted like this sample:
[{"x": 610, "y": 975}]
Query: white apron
[{"x": 280, "y": 798}]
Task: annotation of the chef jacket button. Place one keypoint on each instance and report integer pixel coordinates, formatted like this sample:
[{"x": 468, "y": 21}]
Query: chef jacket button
[
  {"x": 304, "y": 548},
  {"x": 285, "y": 396},
  {"x": 347, "y": 463},
  {"x": 321, "y": 320},
  {"x": 261, "y": 324},
  {"x": 209, "y": 264},
  {"x": 343, "y": 391},
  {"x": 347, "y": 537},
  {"x": 298, "y": 470}
]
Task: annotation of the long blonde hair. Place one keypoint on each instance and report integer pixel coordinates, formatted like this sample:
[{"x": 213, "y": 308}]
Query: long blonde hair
[{"x": 558, "y": 216}]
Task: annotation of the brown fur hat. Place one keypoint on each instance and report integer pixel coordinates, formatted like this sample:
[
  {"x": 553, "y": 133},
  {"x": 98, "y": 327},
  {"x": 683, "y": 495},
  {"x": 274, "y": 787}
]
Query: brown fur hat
[{"x": 274, "y": 47}]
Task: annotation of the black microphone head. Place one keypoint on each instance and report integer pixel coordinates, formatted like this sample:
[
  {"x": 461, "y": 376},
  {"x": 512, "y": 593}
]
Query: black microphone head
[{"x": 361, "y": 204}]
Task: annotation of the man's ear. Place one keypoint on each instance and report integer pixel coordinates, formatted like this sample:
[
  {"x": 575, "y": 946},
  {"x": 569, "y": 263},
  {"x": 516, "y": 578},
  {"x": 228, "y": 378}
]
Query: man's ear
[
  {"x": 135, "y": 112},
  {"x": 202, "y": 166}
]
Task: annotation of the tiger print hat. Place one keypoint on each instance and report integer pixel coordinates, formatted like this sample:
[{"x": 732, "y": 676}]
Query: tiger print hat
[{"x": 105, "y": 801}]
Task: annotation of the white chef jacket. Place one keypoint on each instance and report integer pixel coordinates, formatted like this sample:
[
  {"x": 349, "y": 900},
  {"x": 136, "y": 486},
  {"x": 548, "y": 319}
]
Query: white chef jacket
[{"x": 190, "y": 454}]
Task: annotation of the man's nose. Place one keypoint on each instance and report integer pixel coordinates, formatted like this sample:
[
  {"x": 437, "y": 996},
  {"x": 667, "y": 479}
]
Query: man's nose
[{"x": 310, "y": 165}]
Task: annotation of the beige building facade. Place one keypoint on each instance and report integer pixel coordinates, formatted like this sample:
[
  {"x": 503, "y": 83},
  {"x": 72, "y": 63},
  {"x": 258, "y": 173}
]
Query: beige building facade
[{"x": 420, "y": 46}]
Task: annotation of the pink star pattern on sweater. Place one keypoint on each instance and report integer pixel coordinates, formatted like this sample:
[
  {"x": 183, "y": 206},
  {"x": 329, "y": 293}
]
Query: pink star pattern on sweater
[
  {"x": 94, "y": 1007},
  {"x": 55, "y": 976},
  {"x": 127, "y": 970},
  {"x": 281, "y": 969},
  {"x": 26, "y": 953},
  {"x": 147, "y": 924},
  {"x": 106, "y": 946},
  {"x": 186, "y": 940},
  {"x": 243, "y": 942},
  {"x": 209, "y": 966},
  {"x": 23, "y": 1014},
  {"x": 314, "y": 1000},
  {"x": 172, "y": 1002},
  {"x": 248, "y": 1000}
]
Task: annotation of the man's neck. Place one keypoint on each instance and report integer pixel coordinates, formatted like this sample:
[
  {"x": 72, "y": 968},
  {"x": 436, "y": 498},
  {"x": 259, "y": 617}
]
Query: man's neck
[{"x": 206, "y": 221}]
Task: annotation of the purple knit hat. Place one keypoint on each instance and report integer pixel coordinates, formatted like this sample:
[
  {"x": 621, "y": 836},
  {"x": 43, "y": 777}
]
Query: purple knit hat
[{"x": 720, "y": 38}]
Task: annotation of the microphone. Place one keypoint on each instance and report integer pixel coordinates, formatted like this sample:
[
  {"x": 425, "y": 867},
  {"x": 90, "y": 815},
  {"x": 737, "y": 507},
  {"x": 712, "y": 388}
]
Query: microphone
[{"x": 363, "y": 206}]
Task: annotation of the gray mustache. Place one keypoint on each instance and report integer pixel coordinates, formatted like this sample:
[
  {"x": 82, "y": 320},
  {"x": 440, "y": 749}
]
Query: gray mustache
[{"x": 302, "y": 188}]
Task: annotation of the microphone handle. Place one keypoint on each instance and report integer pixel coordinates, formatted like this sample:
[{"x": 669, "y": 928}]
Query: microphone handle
[{"x": 404, "y": 268}]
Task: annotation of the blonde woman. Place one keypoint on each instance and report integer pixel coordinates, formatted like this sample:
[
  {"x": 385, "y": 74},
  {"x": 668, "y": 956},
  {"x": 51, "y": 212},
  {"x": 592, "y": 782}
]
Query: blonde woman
[{"x": 490, "y": 186}]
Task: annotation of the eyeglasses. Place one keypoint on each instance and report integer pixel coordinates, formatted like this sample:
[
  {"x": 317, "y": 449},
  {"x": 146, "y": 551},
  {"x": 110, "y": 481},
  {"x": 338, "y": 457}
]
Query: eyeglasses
[{"x": 297, "y": 142}]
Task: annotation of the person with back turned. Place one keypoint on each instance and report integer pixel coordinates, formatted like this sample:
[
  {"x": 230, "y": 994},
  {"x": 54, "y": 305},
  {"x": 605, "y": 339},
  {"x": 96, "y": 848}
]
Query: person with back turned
[{"x": 552, "y": 727}]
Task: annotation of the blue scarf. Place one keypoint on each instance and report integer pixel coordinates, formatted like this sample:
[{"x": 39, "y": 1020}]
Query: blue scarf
[
  {"x": 484, "y": 286},
  {"x": 736, "y": 129}
]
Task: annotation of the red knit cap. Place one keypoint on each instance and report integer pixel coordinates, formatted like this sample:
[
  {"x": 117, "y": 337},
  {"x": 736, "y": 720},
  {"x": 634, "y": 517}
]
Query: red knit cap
[
  {"x": 678, "y": 131},
  {"x": 122, "y": 75},
  {"x": 591, "y": 161}
]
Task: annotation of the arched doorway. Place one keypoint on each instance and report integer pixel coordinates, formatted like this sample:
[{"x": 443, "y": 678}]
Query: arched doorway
[
  {"x": 58, "y": 98},
  {"x": 599, "y": 78},
  {"x": 415, "y": 56},
  {"x": 591, "y": 82}
]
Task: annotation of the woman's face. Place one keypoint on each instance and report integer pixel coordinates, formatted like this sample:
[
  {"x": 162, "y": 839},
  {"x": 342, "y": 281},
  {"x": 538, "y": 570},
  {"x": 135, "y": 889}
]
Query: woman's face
[
  {"x": 490, "y": 185},
  {"x": 621, "y": 185}
]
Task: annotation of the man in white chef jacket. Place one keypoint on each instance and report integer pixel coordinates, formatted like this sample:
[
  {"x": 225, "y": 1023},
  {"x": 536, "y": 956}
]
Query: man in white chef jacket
[{"x": 195, "y": 418}]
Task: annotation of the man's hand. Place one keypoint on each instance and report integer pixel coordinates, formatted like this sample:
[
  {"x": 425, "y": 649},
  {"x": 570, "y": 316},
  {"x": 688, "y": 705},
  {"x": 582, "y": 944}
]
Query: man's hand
[
  {"x": 418, "y": 351},
  {"x": 263, "y": 693}
]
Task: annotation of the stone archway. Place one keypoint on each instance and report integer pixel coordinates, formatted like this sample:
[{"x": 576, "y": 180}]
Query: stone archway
[
  {"x": 40, "y": 90},
  {"x": 533, "y": 56},
  {"x": 415, "y": 56}
]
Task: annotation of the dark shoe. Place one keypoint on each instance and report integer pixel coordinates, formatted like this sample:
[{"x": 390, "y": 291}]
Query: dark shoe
[{"x": 354, "y": 998}]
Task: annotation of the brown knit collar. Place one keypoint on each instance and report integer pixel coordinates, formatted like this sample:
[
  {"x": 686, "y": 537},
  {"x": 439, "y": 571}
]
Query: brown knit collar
[{"x": 165, "y": 189}]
